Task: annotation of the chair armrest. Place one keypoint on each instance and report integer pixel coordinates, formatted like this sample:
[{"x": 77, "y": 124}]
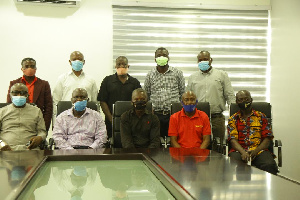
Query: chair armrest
[
  {"x": 278, "y": 144},
  {"x": 51, "y": 143}
]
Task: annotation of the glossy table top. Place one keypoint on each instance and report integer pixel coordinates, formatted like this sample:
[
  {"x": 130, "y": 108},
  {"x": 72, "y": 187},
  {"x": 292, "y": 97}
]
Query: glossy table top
[{"x": 203, "y": 174}]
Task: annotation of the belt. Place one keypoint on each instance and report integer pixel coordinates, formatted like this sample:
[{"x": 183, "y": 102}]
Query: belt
[
  {"x": 162, "y": 112},
  {"x": 215, "y": 115},
  {"x": 80, "y": 147}
]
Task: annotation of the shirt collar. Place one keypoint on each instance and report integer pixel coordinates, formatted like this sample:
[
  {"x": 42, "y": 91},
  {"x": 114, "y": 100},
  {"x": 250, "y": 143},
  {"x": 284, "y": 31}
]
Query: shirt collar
[
  {"x": 182, "y": 114},
  {"x": 70, "y": 112},
  {"x": 72, "y": 73},
  {"x": 210, "y": 71},
  {"x": 133, "y": 113},
  {"x": 117, "y": 79},
  {"x": 34, "y": 80},
  {"x": 170, "y": 69},
  {"x": 253, "y": 113}
]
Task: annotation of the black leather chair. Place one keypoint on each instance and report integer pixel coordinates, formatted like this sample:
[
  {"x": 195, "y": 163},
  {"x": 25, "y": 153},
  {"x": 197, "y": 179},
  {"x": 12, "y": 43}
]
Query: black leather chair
[
  {"x": 203, "y": 106},
  {"x": 265, "y": 108},
  {"x": 65, "y": 105},
  {"x": 118, "y": 109}
]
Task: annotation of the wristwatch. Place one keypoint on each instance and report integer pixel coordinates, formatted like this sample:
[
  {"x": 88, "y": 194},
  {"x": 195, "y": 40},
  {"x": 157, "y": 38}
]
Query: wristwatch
[{"x": 2, "y": 144}]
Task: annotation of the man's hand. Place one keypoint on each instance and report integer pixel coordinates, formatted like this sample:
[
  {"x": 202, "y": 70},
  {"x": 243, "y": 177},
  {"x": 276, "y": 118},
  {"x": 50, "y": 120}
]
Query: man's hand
[
  {"x": 253, "y": 153},
  {"x": 35, "y": 142},
  {"x": 6, "y": 148},
  {"x": 245, "y": 156}
]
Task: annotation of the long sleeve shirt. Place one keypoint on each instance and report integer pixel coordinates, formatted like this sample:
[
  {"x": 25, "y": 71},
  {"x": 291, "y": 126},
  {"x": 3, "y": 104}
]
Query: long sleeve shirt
[
  {"x": 140, "y": 132},
  {"x": 19, "y": 125},
  {"x": 213, "y": 87},
  {"x": 164, "y": 88},
  {"x": 87, "y": 130}
]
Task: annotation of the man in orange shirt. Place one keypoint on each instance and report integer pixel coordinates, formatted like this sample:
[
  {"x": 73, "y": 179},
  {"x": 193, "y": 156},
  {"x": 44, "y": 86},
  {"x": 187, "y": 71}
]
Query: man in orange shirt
[
  {"x": 189, "y": 127},
  {"x": 38, "y": 90}
]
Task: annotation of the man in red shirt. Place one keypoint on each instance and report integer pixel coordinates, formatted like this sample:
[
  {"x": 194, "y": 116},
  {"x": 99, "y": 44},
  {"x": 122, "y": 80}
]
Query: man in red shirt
[
  {"x": 189, "y": 127},
  {"x": 38, "y": 90}
]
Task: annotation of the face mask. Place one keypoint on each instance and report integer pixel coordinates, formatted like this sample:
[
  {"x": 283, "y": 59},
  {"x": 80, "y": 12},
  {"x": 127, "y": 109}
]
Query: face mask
[
  {"x": 80, "y": 105},
  {"x": 19, "y": 100},
  {"x": 77, "y": 65},
  {"x": 139, "y": 105},
  {"x": 203, "y": 65},
  {"x": 29, "y": 72},
  {"x": 18, "y": 173},
  {"x": 244, "y": 105},
  {"x": 189, "y": 108},
  {"x": 161, "y": 61},
  {"x": 122, "y": 71}
]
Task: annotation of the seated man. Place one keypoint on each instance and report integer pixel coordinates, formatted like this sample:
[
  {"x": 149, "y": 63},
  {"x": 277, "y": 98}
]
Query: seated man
[
  {"x": 20, "y": 122},
  {"x": 250, "y": 134},
  {"x": 139, "y": 127},
  {"x": 79, "y": 127},
  {"x": 189, "y": 127}
]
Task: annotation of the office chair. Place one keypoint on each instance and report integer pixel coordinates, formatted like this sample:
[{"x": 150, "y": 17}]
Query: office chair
[
  {"x": 205, "y": 107},
  {"x": 118, "y": 109},
  {"x": 65, "y": 105},
  {"x": 265, "y": 108}
]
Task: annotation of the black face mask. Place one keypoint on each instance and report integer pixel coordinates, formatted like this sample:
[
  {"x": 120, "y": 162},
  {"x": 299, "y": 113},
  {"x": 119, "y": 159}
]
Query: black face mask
[
  {"x": 244, "y": 105},
  {"x": 139, "y": 105}
]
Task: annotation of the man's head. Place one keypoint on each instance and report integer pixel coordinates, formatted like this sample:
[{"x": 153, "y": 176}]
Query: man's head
[
  {"x": 139, "y": 99},
  {"x": 204, "y": 61},
  {"x": 77, "y": 60},
  {"x": 122, "y": 65},
  {"x": 79, "y": 99},
  {"x": 162, "y": 56},
  {"x": 28, "y": 67},
  {"x": 243, "y": 99},
  {"x": 189, "y": 101},
  {"x": 18, "y": 94}
]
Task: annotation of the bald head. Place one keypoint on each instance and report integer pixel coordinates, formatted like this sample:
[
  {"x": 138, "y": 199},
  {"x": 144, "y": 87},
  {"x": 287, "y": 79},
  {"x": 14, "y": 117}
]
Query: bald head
[
  {"x": 79, "y": 94},
  {"x": 76, "y": 54},
  {"x": 19, "y": 87},
  {"x": 189, "y": 98},
  {"x": 138, "y": 94}
]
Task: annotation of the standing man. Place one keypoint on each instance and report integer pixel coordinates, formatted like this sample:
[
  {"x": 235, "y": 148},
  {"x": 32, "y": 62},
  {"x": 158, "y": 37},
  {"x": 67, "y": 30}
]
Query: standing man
[
  {"x": 21, "y": 122},
  {"x": 212, "y": 85},
  {"x": 79, "y": 127},
  {"x": 139, "y": 127},
  {"x": 116, "y": 87},
  {"x": 76, "y": 78},
  {"x": 190, "y": 127},
  {"x": 164, "y": 85},
  {"x": 39, "y": 91},
  {"x": 249, "y": 133}
]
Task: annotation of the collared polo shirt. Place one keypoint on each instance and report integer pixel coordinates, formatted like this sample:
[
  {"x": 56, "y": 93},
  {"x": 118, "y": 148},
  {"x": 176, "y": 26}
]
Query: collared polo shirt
[
  {"x": 189, "y": 131},
  {"x": 112, "y": 89}
]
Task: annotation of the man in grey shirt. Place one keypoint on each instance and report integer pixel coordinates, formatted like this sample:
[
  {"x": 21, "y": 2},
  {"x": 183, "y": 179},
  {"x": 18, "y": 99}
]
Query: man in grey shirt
[
  {"x": 213, "y": 86},
  {"x": 21, "y": 122}
]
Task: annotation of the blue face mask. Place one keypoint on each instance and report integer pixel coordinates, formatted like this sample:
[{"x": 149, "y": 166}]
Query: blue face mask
[
  {"x": 203, "y": 65},
  {"x": 18, "y": 173},
  {"x": 77, "y": 65},
  {"x": 189, "y": 108},
  {"x": 19, "y": 100},
  {"x": 80, "y": 105}
]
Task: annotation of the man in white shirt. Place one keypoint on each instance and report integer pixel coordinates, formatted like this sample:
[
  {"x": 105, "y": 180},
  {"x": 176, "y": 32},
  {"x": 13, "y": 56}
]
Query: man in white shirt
[{"x": 76, "y": 78}]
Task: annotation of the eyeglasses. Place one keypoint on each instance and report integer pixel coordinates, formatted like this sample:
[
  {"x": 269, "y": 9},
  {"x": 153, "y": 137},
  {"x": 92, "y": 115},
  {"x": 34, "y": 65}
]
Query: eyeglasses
[{"x": 16, "y": 93}]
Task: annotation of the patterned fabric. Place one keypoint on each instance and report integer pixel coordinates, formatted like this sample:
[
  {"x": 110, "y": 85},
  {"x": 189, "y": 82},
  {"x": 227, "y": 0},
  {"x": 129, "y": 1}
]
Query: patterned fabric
[
  {"x": 213, "y": 87},
  {"x": 162, "y": 89},
  {"x": 87, "y": 130},
  {"x": 250, "y": 132}
]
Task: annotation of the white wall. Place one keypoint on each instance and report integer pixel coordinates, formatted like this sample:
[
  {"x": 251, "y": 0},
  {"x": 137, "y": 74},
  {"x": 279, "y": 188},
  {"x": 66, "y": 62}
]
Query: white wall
[
  {"x": 285, "y": 81},
  {"x": 50, "y": 34}
]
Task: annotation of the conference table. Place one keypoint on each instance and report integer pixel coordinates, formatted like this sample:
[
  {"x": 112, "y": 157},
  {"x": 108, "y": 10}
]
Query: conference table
[{"x": 111, "y": 173}]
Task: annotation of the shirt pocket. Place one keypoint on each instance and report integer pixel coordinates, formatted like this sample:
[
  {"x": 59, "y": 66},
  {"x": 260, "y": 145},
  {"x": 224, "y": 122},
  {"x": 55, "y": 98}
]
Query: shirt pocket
[
  {"x": 218, "y": 84},
  {"x": 199, "y": 129}
]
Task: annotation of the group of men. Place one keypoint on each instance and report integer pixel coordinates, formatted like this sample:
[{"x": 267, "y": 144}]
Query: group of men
[{"x": 81, "y": 127}]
